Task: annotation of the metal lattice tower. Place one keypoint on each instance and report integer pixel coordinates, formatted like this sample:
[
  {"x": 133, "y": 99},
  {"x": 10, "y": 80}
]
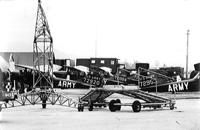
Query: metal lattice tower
[
  {"x": 42, "y": 52},
  {"x": 43, "y": 70}
]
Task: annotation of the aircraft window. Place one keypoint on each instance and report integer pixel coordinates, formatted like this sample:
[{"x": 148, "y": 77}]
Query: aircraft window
[
  {"x": 112, "y": 62},
  {"x": 102, "y": 61},
  {"x": 93, "y": 61}
]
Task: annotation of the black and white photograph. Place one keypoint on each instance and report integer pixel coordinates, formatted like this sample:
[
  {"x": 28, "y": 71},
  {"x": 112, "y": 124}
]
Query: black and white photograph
[{"x": 99, "y": 64}]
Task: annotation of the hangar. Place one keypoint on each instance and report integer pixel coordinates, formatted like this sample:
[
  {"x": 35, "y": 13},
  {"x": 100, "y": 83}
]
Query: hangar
[
  {"x": 26, "y": 58},
  {"x": 111, "y": 63}
]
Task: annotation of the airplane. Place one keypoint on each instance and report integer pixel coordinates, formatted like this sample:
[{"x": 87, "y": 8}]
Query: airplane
[
  {"x": 60, "y": 78},
  {"x": 21, "y": 76},
  {"x": 93, "y": 75},
  {"x": 7, "y": 91},
  {"x": 156, "y": 82},
  {"x": 151, "y": 81}
]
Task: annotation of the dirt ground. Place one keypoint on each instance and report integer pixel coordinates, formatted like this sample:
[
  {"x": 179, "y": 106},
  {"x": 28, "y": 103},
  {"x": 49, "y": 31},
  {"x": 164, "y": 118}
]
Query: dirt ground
[{"x": 185, "y": 117}]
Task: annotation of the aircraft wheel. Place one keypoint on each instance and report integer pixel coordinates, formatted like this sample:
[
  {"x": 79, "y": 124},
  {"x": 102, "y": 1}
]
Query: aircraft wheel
[
  {"x": 0, "y": 108},
  {"x": 118, "y": 107},
  {"x": 136, "y": 106},
  {"x": 44, "y": 105},
  {"x": 112, "y": 106}
]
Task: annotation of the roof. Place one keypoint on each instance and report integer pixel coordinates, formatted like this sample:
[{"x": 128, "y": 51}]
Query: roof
[{"x": 25, "y": 58}]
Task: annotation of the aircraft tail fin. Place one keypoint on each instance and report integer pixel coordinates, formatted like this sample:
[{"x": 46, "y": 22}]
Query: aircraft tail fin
[{"x": 11, "y": 63}]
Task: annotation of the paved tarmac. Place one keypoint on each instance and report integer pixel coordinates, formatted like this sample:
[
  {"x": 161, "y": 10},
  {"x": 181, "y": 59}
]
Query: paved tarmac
[{"x": 185, "y": 117}]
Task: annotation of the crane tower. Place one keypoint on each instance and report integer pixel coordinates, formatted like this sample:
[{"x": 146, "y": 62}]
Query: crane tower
[{"x": 42, "y": 92}]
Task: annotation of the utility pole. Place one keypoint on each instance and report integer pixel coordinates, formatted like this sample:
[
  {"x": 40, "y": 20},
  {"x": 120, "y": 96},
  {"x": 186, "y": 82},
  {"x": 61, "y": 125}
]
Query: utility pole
[{"x": 188, "y": 33}]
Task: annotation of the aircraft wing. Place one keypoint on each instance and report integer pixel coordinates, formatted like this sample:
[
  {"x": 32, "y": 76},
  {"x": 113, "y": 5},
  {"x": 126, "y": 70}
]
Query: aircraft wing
[
  {"x": 107, "y": 69},
  {"x": 55, "y": 67},
  {"x": 183, "y": 81},
  {"x": 125, "y": 70},
  {"x": 70, "y": 67},
  {"x": 178, "y": 82},
  {"x": 60, "y": 72},
  {"x": 25, "y": 66},
  {"x": 82, "y": 68},
  {"x": 112, "y": 80}
]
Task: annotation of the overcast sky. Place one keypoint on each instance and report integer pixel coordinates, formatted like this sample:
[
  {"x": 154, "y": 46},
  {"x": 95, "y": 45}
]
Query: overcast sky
[{"x": 151, "y": 31}]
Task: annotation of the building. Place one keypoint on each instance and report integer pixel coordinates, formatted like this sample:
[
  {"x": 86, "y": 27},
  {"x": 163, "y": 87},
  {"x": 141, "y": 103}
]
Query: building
[
  {"x": 64, "y": 62},
  {"x": 83, "y": 62},
  {"x": 26, "y": 58},
  {"x": 142, "y": 65},
  {"x": 99, "y": 62},
  {"x": 173, "y": 71}
]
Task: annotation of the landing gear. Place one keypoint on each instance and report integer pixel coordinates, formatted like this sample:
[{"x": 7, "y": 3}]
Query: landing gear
[
  {"x": 0, "y": 107},
  {"x": 136, "y": 106}
]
